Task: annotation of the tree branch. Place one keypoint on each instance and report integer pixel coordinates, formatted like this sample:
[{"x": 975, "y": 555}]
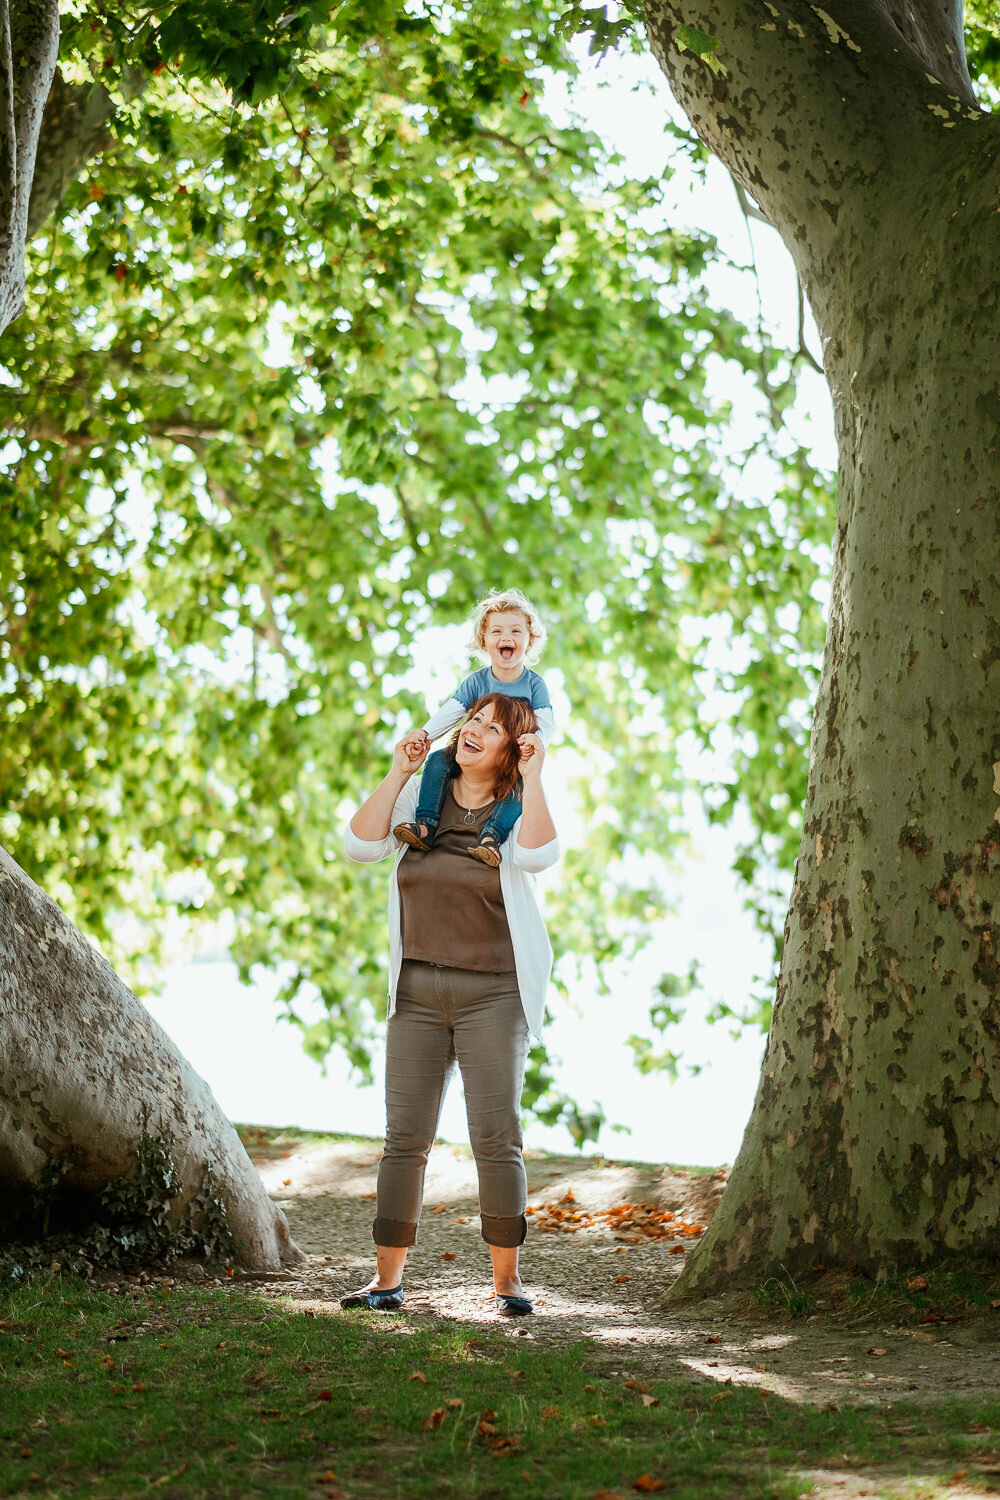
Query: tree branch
[
  {"x": 748, "y": 104},
  {"x": 934, "y": 31},
  {"x": 29, "y": 44},
  {"x": 804, "y": 349}
]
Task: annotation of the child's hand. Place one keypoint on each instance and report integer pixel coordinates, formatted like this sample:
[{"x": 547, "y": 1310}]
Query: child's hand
[
  {"x": 416, "y": 744},
  {"x": 411, "y": 752}
]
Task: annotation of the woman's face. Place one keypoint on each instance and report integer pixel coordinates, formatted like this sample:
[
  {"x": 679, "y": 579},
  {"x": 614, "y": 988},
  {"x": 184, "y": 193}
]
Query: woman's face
[{"x": 480, "y": 741}]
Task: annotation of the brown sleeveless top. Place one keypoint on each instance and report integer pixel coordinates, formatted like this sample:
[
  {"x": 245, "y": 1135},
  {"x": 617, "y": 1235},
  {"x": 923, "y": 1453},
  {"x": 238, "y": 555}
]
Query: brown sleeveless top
[{"x": 452, "y": 907}]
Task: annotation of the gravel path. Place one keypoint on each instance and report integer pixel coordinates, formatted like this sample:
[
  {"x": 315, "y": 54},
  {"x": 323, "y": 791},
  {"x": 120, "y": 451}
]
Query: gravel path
[{"x": 597, "y": 1273}]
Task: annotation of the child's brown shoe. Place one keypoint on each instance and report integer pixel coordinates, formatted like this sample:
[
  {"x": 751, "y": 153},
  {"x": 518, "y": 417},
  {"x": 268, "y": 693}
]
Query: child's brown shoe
[
  {"x": 417, "y": 835},
  {"x": 486, "y": 852}
]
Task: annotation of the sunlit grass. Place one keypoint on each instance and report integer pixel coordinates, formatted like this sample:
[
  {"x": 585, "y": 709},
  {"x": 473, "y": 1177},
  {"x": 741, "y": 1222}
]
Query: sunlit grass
[{"x": 177, "y": 1392}]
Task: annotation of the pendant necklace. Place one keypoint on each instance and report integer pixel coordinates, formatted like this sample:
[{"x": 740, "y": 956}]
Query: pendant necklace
[{"x": 468, "y": 813}]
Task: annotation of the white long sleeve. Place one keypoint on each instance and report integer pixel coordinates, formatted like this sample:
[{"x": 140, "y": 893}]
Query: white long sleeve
[
  {"x": 446, "y": 717},
  {"x": 451, "y": 713}
]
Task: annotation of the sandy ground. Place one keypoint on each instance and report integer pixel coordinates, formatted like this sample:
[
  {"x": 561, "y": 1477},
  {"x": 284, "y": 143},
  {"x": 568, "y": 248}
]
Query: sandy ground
[{"x": 596, "y": 1277}]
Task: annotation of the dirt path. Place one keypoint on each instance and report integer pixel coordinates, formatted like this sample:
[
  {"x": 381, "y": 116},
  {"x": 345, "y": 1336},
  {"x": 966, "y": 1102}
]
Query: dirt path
[{"x": 596, "y": 1277}]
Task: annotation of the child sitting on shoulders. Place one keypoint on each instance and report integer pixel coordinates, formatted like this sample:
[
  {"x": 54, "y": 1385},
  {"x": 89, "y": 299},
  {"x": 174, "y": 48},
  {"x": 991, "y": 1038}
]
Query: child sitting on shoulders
[{"x": 507, "y": 632}]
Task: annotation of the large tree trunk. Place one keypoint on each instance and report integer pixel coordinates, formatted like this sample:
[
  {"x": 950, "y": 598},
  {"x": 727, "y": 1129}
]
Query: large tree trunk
[
  {"x": 875, "y": 1135},
  {"x": 29, "y": 41},
  {"x": 83, "y": 1065}
]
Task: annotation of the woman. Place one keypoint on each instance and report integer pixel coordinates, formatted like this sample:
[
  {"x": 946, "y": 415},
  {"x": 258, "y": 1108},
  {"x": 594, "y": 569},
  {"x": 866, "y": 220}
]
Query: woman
[{"x": 469, "y": 967}]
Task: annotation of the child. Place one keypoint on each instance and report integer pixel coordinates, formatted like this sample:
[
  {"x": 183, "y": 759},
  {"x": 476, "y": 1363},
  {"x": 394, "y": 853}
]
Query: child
[{"x": 506, "y": 630}]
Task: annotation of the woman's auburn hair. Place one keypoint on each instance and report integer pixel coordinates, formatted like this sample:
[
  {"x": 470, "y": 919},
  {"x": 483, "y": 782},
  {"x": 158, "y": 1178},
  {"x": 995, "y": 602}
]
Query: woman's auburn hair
[{"x": 517, "y": 717}]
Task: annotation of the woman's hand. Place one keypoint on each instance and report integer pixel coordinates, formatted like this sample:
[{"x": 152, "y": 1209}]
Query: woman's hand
[
  {"x": 373, "y": 817},
  {"x": 531, "y": 755},
  {"x": 537, "y": 827}
]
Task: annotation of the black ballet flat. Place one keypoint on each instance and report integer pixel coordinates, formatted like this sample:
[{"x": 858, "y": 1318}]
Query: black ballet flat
[
  {"x": 388, "y": 1300},
  {"x": 513, "y": 1307}
]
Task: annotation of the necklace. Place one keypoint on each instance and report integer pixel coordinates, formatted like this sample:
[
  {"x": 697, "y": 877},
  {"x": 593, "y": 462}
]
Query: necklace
[{"x": 469, "y": 814}]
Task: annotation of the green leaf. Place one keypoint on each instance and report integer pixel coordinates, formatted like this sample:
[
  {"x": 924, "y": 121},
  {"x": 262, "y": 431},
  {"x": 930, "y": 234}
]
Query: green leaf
[{"x": 690, "y": 39}]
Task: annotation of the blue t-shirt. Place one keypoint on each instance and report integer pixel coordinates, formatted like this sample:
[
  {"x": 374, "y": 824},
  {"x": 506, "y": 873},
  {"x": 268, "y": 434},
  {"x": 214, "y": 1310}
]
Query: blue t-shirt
[{"x": 529, "y": 686}]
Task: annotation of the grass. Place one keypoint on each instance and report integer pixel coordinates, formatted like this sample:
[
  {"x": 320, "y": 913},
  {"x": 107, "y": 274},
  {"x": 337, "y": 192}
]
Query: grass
[
  {"x": 184, "y": 1393},
  {"x": 938, "y": 1294}
]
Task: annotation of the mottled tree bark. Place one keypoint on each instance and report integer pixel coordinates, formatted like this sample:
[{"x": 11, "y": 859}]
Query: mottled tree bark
[
  {"x": 875, "y": 1135},
  {"x": 83, "y": 1065},
  {"x": 29, "y": 40}
]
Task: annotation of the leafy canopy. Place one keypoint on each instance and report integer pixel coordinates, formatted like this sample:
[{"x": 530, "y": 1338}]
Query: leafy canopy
[{"x": 339, "y": 330}]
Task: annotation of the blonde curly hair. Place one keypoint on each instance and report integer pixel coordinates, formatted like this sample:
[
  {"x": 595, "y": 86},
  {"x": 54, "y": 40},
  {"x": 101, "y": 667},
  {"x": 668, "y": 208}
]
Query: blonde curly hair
[{"x": 501, "y": 601}]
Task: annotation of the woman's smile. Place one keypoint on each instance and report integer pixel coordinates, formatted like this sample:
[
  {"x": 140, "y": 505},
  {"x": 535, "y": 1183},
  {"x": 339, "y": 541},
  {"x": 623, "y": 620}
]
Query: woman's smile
[{"x": 481, "y": 739}]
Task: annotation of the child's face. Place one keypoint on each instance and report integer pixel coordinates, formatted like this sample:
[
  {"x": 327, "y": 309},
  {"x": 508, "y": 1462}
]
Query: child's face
[{"x": 507, "y": 637}]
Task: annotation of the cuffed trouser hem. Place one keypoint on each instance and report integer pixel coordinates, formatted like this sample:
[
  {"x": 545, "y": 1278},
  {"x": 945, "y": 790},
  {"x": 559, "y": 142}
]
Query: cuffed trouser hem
[
  {"x": 394, "y": 1235},
  {"x": 506, "y": 1234}
]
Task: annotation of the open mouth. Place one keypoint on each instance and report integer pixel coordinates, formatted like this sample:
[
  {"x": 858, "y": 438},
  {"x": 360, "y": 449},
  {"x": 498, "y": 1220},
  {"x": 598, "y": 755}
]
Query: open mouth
[
  {"x": 506, "y": 652},
  {"x": 468, "y": 744}
]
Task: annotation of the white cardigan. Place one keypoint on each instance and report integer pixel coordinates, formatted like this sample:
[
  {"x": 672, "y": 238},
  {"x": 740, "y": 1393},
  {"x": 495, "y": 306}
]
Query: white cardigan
[{"x": 530, "y": 941}]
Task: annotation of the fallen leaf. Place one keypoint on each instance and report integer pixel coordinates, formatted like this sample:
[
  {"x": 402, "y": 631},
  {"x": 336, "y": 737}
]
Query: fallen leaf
[
  {"x": 650, "y": 1400},
  {"x": 449, "y": 1255},
  {"x": 917, "y": 1283},
  {"x": 636, "y": 1385},
  {"x": 286, "y": 1182},
  {"x": 623, "y": 1278},
  {"x": 440, "y": 1208},
  {"x": 548, "y": 1412},
  {"x": 328, "y": 1478},
  {"x": 419, "y": 1375},
  {"x": 454, "y": 1402},
  {"x": 878, "y": 1352},
  {"x": 437, "y": 1416},
  {"x": 676, "y": 1249},
  {"x": 647, "y": 1485},
  {"x": 324, "y": 1395},
  {"x": 714, "y": 1338},
  {"x": 487, "y": 1429},
  {"x": 504, "y": 1447}
]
